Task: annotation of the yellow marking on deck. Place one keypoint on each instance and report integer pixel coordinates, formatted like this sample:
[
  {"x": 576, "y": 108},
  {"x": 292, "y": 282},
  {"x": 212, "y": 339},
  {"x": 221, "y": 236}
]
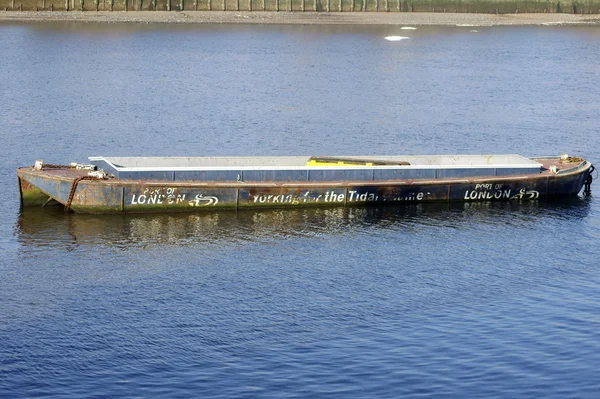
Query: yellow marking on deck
[{"x": 314, "y": 162}]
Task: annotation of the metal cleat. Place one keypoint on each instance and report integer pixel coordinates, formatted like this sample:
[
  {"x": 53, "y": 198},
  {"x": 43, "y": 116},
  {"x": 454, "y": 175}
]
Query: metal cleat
[
  {"x": 81, "y": 166},
  {"x": 98, "y": 174}
]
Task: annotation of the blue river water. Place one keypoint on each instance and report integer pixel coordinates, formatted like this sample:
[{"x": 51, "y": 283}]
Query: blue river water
[{"x": 478, "y": 299}]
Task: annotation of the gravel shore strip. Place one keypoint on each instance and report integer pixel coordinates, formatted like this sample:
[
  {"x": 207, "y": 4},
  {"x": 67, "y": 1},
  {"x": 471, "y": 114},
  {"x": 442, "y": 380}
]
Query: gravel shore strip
[{"x": 300, "y": 18}]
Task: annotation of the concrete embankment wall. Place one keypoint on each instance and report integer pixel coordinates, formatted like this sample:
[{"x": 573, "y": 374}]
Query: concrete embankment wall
[{"x": 461, "y": 6}]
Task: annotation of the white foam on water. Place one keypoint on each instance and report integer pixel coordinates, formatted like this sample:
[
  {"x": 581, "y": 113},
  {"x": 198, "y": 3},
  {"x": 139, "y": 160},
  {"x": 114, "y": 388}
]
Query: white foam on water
[
  {"x": 473, "y": 30},
  {"x": 395, "y": 38},
  {"x": 408, "y": 28}
]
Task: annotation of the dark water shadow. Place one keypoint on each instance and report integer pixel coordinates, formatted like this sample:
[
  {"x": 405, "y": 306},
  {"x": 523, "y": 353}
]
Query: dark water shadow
[{"x": 51, "y": 227}]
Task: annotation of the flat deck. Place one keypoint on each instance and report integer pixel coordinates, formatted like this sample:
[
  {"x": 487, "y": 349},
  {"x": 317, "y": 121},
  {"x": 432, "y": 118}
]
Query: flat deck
[
  {"x": 309, "y": 169},
  {"x": 545, "y": 163},
  {"x": 211, "y": 163}
]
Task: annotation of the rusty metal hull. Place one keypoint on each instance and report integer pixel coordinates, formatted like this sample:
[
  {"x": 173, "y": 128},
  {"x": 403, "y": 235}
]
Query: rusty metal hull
[{"x": 131, "y": 196}]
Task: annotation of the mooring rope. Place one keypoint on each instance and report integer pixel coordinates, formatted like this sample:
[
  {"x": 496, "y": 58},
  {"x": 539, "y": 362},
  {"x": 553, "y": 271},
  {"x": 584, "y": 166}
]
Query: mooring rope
[
  {"x": 587, "y": 188},
  {"x": 56, "y": 166},
  {"x": 570, "y": 159},
  {"x": 74, "y": 187}
]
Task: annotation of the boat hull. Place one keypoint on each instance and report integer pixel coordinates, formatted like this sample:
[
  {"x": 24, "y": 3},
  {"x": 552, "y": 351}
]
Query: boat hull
[{"x": 135, "y": 196}]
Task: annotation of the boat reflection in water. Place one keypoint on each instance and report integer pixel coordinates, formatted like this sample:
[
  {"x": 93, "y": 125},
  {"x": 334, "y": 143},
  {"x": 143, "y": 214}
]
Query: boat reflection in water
[{"x": 40, "y": 228}]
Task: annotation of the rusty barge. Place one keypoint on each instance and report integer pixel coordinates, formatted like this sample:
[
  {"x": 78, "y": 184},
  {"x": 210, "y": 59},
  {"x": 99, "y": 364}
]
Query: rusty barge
[{"x": 178, "y": 184}]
